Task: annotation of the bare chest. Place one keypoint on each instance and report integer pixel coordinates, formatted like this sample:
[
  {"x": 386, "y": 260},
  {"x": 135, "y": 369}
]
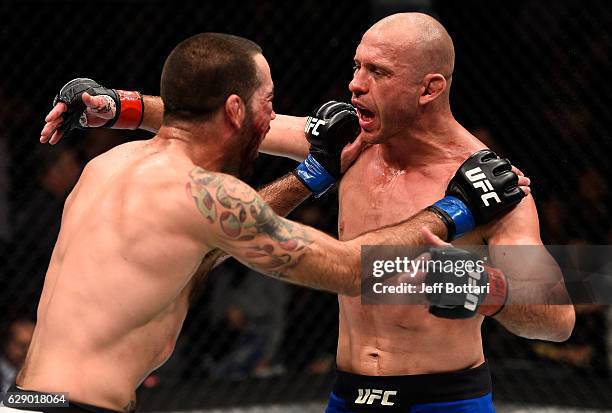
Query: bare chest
[{"x": 371, "y": 197}]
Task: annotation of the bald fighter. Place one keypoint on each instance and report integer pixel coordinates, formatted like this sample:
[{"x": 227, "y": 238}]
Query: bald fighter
[{"x": 133, "y": 243}]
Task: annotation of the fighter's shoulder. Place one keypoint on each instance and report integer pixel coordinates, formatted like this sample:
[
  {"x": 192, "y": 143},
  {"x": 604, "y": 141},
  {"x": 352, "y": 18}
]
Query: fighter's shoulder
[
  {"x": 225, "y": 205},
  {"x": 215, "y": 179},
  {"x": 211, "y": 187},
  {"x": 112, "y": 159}
]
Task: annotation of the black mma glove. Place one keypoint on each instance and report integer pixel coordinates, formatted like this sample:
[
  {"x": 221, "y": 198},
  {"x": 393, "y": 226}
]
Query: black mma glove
[
  {"x": 483, "y": 188},
  {"x": 461, "y": 286},
  {"x": 329, "y": 130},
  {"x": 128, "y": 105}
]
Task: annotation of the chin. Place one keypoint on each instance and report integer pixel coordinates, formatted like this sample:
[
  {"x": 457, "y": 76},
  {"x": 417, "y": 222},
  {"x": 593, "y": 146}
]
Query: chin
[{"x": 372, "y": 138}]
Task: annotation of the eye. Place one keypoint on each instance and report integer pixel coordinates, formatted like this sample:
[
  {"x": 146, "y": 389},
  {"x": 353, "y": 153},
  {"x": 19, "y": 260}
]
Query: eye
[{"x": 355, "y": 67}]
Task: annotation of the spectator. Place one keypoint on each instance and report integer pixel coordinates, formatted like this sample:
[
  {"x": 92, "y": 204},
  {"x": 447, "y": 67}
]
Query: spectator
[
  {"x": 38, "y": 220},
  {"x": 253, "y": 309},
  {"x": 98, "y": 141},
  {"x": 14, "y": 350},
  {"x": 592, "y": 212}
]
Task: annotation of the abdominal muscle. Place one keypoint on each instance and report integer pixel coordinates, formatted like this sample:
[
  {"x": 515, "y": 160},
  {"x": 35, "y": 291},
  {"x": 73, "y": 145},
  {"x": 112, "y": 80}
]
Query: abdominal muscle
[
  {"x": 394, "y": 340},
  {"x": 398, "y": 339}
]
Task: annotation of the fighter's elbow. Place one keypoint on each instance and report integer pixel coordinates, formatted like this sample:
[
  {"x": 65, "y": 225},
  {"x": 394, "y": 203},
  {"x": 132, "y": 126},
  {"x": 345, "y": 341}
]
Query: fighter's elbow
[
  {"x": 565, "y": 323},
  {"x": 554, "y": 323},
  {"x": 351, "y": 292},
  {"x": 560, "y": 325},
  {"x": 353, "y": 287}
]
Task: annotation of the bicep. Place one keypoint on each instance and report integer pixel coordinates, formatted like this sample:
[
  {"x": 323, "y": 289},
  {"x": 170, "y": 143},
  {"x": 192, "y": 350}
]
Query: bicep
[
  {"x": 516, "y": 248},
  {"x": 238, "y": 221},
  {"x": 518, "y": 227}
]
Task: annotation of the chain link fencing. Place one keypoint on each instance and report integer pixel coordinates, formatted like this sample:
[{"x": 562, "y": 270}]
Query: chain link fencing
[{"x": 531, "y": 80}]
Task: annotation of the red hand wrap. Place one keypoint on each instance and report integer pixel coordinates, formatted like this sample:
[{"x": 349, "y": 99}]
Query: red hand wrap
[
  {"x": 498, "y": 293},
  {"x": 130, "y": 110}
]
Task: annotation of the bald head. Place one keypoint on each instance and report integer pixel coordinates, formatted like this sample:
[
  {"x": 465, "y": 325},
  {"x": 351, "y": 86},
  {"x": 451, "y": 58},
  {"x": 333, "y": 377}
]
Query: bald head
[{"x": 419, "y": 39}]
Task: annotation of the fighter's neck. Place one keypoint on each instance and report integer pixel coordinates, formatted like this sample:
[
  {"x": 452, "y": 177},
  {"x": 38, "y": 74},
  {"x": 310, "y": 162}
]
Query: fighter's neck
[
  {"x": 205, "y": 147},
  {"x": 419, "y": 146}
]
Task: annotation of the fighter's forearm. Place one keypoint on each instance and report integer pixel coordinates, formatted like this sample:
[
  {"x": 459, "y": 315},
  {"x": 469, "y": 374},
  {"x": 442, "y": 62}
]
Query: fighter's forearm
[
  {"x": 248, "y": 229},
  {"x": 407, "y": 232},
  {"x": 324, "y": 263},
  {"x": 286, "y": 138},
  {"x": 284, "y": 194},
  {"x": 542, "y": 312},
  {"x": 342, "y": 260},
  {"x": 153, "y": 112},
  {"x": 335, "y": 266},
  {"x": 537, "y": 305}
]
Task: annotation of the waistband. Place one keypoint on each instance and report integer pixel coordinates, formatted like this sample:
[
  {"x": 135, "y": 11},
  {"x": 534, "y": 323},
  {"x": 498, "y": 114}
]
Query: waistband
[
  {"x": 399, "y": 392},
  {"x": 73, "y": 407}
]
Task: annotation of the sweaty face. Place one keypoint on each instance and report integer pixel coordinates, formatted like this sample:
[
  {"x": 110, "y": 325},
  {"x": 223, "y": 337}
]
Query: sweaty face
[
  {"x": 259, "y": 114},
  {"x": 385, "y": 88}
]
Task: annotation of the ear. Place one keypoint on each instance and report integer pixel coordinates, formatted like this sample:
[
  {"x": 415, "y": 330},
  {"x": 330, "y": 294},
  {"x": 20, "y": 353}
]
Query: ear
[
  {"x": 235, "y": 111},
  {"x": 433, "y": 86}
]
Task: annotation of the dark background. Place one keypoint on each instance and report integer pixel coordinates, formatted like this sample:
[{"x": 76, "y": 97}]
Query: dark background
[{"x": 532, "y": 79}]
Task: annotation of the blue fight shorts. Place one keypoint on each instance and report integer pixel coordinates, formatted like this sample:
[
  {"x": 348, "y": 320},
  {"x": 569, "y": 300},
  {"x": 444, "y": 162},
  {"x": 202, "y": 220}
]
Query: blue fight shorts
[{"x": 458, "y": 391}]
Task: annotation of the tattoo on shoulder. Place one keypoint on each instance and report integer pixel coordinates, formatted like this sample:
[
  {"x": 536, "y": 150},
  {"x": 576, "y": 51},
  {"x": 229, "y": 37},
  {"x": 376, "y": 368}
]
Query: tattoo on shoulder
[{"x": 272, "y": 243}]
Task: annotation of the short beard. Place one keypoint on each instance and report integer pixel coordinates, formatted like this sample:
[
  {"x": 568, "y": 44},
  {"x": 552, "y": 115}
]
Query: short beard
[{"x": 250, "y": 139}]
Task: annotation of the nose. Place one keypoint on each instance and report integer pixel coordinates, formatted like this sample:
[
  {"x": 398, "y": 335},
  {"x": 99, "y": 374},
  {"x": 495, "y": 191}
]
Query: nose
[
  {"x": 273, "y": 115},
  {"x": 359, "y": 84}
]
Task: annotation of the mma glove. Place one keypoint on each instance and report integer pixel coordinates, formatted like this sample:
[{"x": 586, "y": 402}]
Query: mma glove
[
  {"x": 483, "y": 188},
  {"x": 332, "y": 126},
  {"x": 128, "y": 106},
  {"x": 460, "y": 286}
]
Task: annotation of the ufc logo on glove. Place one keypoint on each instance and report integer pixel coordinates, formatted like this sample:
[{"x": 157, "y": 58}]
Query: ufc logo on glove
[
  {"x": 313, "y": 123},
  {"x": 479, "y": 180}
]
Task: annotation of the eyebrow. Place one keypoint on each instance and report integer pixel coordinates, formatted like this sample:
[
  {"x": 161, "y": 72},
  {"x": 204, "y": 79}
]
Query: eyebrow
[{"x": 374, "y": 66}]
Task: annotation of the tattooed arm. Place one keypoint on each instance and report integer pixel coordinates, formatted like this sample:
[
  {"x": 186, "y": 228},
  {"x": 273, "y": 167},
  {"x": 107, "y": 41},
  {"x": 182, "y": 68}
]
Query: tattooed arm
[
  {"x": 284, "y": 194},
  {"x": 239, "y": 222}
]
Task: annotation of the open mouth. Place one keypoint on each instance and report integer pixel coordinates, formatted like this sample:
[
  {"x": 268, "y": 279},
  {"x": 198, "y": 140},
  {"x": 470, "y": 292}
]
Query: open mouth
[
  {"x": 364, "y": 113},
  {"x": 366, "y": 116}
]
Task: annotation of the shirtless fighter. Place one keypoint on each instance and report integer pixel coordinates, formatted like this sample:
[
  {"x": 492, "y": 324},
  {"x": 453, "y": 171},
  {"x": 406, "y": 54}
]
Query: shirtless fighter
[
  {"x": 133, "y": 242},
  {"x": 401, "y": 85}
]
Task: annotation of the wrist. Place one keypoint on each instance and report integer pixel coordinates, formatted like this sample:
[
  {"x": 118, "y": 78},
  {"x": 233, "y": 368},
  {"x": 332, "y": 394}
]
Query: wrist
[
  {"x": 455, "y": 214},
  {"x": 495, "y": 299},
  {"x": 314, "y": 176},
  {"x": 130, "y": 110}
]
